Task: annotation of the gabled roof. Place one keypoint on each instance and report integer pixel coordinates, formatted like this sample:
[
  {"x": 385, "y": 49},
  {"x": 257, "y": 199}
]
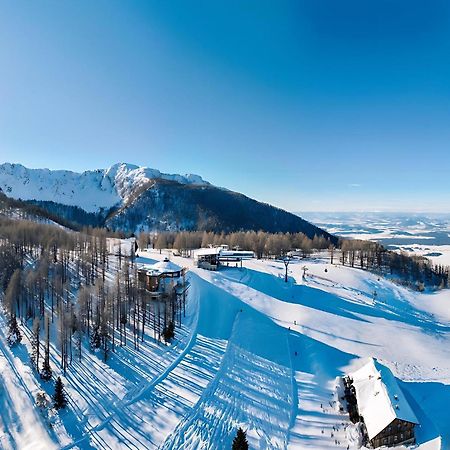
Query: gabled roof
[{"x": 380, "y": 398}]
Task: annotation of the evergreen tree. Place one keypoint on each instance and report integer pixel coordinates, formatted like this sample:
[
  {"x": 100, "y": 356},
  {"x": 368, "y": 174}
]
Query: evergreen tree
[
  {"x": 46, "y": 372},
  {"x": 169, "y": 332},
  {"x": 59, "y": 397},
  {"x": 14, "y": 334},
  {"x": 35, "y": 343},
  {"x": 104, "y": 338},
  {"x": 78, "y": 343},
  {"x": 240, "y": 440},
  {"x": 95, "y": 340}
]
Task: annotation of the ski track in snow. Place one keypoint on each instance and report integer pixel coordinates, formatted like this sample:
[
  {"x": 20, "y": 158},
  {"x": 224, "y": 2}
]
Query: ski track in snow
[{"x": 246, "y": 390}]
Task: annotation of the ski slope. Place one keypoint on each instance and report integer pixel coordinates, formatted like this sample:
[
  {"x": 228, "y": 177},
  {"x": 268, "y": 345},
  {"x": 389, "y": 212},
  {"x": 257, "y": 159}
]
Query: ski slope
[{"x": 255, "y": 352}]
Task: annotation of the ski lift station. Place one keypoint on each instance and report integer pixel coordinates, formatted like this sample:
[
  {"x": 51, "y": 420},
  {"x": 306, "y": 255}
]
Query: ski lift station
[{"x": 213, "y": 258}]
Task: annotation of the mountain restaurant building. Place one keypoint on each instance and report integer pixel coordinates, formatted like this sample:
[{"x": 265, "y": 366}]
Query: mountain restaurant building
[
  {"x": 162, "y": 279},
  {"x": 382, "y": 407}
]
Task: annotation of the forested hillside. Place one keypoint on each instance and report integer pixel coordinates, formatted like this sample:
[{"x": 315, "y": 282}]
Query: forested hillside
[{"x": 165, "y": 205}]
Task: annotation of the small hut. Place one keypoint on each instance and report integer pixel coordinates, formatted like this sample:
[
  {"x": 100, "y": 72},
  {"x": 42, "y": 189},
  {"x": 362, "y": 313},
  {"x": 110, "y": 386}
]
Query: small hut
[{"x": 207, "y": 258}]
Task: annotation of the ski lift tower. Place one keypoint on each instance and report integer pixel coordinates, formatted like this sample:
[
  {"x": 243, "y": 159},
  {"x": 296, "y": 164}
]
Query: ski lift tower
[
  {"x": 305, "y": 269},
  {"x": 286, "y": 261}
]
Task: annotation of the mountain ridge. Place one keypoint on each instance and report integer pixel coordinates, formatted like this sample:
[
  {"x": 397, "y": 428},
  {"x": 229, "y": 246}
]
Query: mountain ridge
[
  {"x": 91, "y": 190},
  {"x": 130, "y": 198}
]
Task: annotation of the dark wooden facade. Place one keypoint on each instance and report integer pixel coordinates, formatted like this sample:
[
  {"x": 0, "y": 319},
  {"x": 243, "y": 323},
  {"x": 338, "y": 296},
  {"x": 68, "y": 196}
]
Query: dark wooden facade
[
  {"x": 148, "y": 282},
  {"x": 164, "y": 298},
  {"x": 396, "y": 433},
  {"x": 153, "y": 282}
]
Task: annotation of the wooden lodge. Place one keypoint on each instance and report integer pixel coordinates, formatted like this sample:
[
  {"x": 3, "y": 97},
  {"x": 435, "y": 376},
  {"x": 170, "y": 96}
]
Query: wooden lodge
[
  {"x": 165, "y": 286},
  {"x": 375, "y": 398},
  {"x": 161, "y": 278}
]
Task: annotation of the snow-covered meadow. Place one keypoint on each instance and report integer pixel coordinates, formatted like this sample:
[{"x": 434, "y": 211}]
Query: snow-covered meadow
[{"x": 253, "y": 351}]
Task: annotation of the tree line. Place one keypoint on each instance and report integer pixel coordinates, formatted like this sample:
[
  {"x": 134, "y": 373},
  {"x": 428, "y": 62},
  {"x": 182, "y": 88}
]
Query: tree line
[
  {"x": 263, "y": 244},
  {"x": 411, "y": 270}
]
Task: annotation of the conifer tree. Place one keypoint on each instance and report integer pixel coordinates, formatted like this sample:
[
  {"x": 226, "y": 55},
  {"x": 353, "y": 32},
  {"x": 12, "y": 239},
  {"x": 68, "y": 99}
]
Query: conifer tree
[
  {"x": 95, "y": 340},
  {"x": 35, "y": 343},
  {"x": 104, "y": 338},
  {"x": 240, "y": 440},
  {"x": 169, "y": 331},
  {"x": 46, "y": 372},
  {"x": 14, "y": 334},
  {"x": 59, "y": 397}
]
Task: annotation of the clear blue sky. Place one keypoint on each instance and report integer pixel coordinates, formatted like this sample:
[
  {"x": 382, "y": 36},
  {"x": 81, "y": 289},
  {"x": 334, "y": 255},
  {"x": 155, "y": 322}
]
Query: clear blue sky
[{"x": 309, "y": 104}]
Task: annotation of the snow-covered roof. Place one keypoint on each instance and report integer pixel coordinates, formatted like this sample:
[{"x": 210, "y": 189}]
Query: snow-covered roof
[
  {"x": 380, "y": 398},
  {"x": 237, "y": 253},
  {"x": 207, "y": 251},
  {"x": 165, "y": 266},
  {"x": 221, "y": 252}
]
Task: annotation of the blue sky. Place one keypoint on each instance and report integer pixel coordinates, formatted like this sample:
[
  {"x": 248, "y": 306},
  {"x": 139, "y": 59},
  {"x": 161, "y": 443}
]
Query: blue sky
[{"x": 309, "y": 104}]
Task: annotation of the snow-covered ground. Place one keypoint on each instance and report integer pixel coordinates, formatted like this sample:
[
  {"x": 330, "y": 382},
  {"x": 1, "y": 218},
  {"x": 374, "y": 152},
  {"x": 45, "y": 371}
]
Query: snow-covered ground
[
  {"x": 439, "y": 254},
  {"x": 255, "y": 352}
]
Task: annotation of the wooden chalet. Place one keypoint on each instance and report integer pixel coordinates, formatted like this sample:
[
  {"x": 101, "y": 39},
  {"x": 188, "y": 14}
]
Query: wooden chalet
[{"x": 375, "y": 398}]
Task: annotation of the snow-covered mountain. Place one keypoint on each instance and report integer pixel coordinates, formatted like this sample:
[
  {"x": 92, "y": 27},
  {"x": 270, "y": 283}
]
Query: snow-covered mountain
[
  {"x": 129, "y": 198},
  {"x": 92, "y": 190}
]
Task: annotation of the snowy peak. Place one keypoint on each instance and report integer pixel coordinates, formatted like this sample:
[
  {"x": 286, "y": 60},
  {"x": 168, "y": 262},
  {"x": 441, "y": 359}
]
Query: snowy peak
[
  {"x": 129, "y": 177},
  {"x": 91, "y": 190}
]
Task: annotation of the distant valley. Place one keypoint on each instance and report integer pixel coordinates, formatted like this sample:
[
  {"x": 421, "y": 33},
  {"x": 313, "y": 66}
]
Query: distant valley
[{"x": 421, "y": 234}]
